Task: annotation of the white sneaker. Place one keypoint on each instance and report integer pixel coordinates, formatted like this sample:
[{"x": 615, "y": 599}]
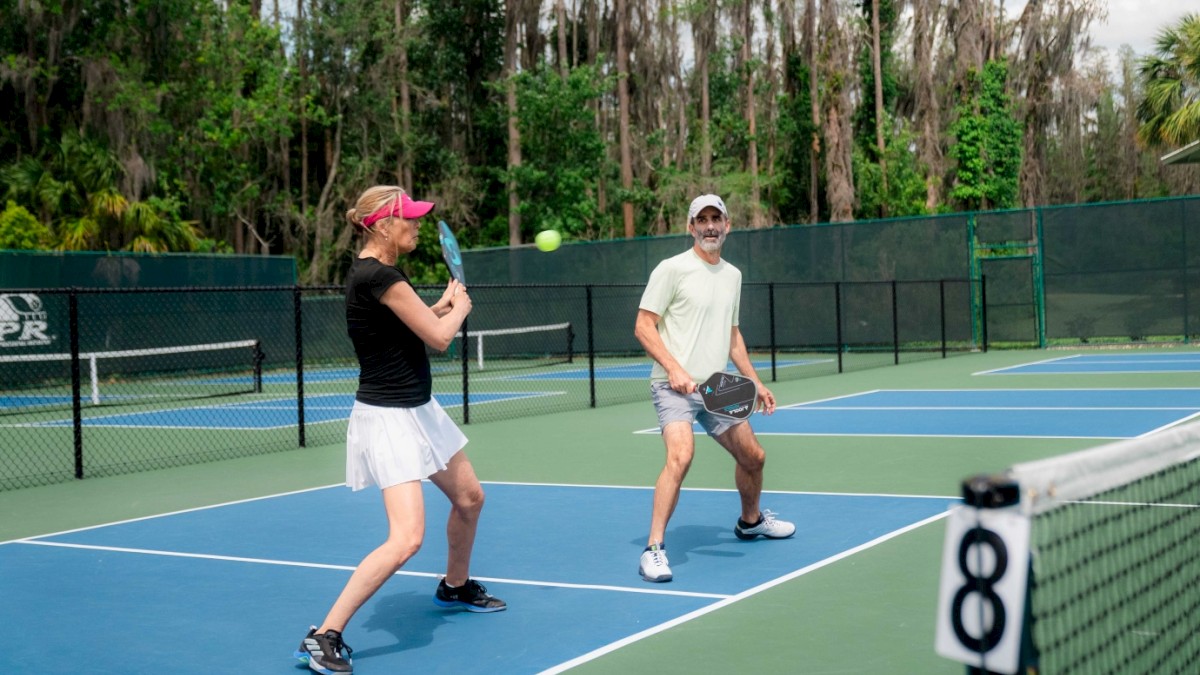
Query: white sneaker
[
  {"x": 653, "y": 566},
  {"x": 768, "y": 527}
]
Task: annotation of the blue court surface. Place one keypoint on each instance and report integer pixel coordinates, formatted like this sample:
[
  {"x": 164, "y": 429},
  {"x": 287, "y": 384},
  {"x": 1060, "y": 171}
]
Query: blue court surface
[
  {"x": 641, "y": 371},
  {"x": 1100, "y": 364},
  {"x": 235, "y": 587},
  {"x": 267, "y": 414},
  {"x": 1007, "y": 413}
]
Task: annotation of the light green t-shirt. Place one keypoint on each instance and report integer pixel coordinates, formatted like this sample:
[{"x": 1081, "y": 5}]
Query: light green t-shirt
[{"x": 698, "y": 304}]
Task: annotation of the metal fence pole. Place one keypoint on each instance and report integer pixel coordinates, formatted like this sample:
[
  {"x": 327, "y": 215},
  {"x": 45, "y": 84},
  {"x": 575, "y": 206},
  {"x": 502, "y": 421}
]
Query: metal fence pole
[
  {"x": 895, "y": 326},
  {"x": 837, "y": 312},
  {"x": 466, "y": 378},
  {"x": 76, "y": 386},
  {"x": 942, "y": 312},
  {"x": 298, "y": 318},
  {"x": 591, "y": 349},
  {"x": 771, "y": 311}
]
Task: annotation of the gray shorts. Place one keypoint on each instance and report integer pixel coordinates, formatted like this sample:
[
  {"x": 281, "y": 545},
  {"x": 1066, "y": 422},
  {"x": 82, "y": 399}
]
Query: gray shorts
[{"x": 673, "y": 406}]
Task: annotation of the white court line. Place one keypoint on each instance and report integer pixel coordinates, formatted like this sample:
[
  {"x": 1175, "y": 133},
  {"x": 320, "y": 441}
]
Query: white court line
[
  {"x": 1170, "y": 424},
  {"x": 1140, "y": 360},
  {"x": 723, "y": 600},
  {"x": 613, "y": 646},
  {"x": 174, "y": 513},
  {"x": 1028, "y": 363},
  {"x": 985, "y": 407},
  {"x": 96, "y": 422},
  {"x": 840, "y": 434},
  {"x": 351, "y": 568},
  {"x": 790, "y": 406},
  {"x": 695, "y": 489},
  {"x": 1101, "y": 372},
  {"x": 338, "y": 485}
]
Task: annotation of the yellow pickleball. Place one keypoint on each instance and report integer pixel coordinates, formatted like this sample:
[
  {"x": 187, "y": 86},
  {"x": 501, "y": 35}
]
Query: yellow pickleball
[{"x": 548, "y": 240}]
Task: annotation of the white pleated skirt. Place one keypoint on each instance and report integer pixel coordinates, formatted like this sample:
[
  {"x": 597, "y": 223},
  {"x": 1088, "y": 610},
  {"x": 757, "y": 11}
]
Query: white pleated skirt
[{"x": 389, "y": 446}]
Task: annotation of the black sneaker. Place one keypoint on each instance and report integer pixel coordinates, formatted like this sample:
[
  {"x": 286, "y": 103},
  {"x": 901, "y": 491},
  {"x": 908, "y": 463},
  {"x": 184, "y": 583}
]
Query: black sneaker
[
  {"x": 323, "y": 652},
  {"x": 471, "y": 596}
]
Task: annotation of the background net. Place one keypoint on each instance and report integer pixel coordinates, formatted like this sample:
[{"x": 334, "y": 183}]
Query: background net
[
  {"x": 191, "y": 375},
  {"x": 1125, "y": 272},
  {"x": 50, "y": 382}
]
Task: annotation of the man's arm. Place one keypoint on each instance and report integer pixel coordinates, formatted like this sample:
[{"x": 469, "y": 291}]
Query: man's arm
[
  {"x": 741, "y": 359},
  {"x": 646, "y": 331}
]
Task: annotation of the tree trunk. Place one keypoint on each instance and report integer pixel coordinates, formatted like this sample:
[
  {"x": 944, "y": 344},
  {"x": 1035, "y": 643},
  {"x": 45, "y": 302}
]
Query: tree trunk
[
  {"x": 593, "y": 48},
  {"x": 839, "y": 170},
  {"x": 756, "y": 220},
  {"x": 301, "y": 57},
  {"x": 561, "y": 12},
  {"x": 514, "y": 133},
  {"x": 814, "y": 94},
  {"x": 703, "y": 28},
  {"x": 926, "y": 113},
  {"x": 404, "y": 161},
  {"x": 877, "y": 66},
  {"x": 771, "y": 98},
  {"x": 623, "y": 125}
]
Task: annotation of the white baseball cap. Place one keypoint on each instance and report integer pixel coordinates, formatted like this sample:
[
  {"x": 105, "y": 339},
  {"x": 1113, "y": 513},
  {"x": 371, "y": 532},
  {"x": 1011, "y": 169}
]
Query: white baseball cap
[{"x": 699, "y": 203}]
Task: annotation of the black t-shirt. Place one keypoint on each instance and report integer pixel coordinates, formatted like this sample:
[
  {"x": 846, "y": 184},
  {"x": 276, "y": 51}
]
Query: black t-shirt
[{"x": 394, "y": 369}]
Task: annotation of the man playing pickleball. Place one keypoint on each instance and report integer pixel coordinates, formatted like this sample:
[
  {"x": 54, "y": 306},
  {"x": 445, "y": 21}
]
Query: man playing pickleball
[{"x": 688, "y": 323}]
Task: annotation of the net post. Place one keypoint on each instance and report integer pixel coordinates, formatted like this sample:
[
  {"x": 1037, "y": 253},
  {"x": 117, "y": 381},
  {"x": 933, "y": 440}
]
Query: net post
[
  {"x": 570, "y": 342},
  {"x": 259, "y": 356},
  {"x": 990, "y": 491},
  {"x": 76, "y": 385},
  {"x": 94, "y": 378}
]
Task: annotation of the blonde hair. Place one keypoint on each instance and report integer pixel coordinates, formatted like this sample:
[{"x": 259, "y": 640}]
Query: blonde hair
[{"x": 370, "y": 201}]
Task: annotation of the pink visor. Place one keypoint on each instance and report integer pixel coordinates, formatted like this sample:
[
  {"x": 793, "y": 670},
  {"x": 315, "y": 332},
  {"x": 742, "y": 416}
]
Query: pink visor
[{"x": 403, "y": 207}]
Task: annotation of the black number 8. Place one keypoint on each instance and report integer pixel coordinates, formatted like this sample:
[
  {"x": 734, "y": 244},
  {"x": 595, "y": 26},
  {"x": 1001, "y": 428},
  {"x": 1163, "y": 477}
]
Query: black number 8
[{"x": 983, "y": 586}]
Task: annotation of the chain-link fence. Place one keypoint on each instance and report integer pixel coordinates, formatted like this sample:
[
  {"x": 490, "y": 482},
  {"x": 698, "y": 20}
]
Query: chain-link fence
[
  {"x": 1125, "y": 272},
  {"x": 102, "y": 382}
]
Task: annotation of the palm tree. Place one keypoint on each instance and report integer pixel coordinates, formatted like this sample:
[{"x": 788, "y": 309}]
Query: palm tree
[{"x": 1169, "y": 111}]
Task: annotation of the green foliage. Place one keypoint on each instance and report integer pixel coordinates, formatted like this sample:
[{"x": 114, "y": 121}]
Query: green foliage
[
  {"x": 20, "y": 230},
  {"x": 791, "y": 196},
  {"x": 905, "y": 184},
  {"x": 987, "y": 143},
  {"x": 1169, "y": 111},
  {"x": 864, "y": 114},
  {"x": 562, "y": 152}
]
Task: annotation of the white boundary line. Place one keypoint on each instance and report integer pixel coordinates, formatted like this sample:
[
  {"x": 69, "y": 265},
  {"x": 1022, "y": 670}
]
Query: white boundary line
[
  {"x": 351, "y": 568},
  {"x": 1170, "y": 424},
  {"x": 174, "y": 513},
  {"x": 613, "y": 646},
  {"x": 1028, "y": 363},
  {"x": 513, "y": 483},
  {"x": 265, "y": 404},
  {"x": 722, "y": 600}
]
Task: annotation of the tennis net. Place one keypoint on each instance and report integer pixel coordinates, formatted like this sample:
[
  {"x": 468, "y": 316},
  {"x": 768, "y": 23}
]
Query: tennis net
[
  {"x": 1114, "y": 567},
  {"x": 519, "y": 347},
  {"x": 43, "y": 382}
]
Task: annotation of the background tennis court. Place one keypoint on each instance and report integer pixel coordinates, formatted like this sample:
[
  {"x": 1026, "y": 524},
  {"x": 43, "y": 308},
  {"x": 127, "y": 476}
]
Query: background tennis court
[{"x": 568, "y": 507}]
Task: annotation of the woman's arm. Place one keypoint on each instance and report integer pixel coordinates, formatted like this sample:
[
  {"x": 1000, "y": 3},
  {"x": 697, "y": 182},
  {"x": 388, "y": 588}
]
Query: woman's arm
[{"x": 436, "y": 331}]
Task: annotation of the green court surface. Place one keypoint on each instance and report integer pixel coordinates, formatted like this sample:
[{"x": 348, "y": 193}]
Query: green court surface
[{"x": 870, "y": 611}]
